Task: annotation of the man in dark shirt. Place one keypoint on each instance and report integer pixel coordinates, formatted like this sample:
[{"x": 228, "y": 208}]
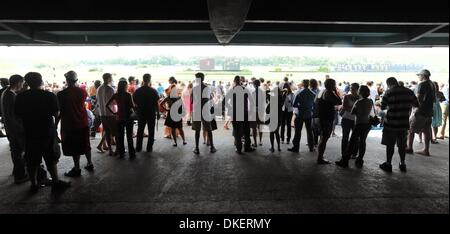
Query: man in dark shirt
[
  {"x": 13, "y": 127},
  {"x": 422, "y": 117},
  {"x": 304, "y": 102},
  {"x": 38, "y": 109},
  {"x": 146, "y": 101},
  {"x": 398, "y": 101}
]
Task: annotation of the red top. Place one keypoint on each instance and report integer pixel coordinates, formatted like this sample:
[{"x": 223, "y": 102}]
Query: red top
[{"x": 71, "y": 104}]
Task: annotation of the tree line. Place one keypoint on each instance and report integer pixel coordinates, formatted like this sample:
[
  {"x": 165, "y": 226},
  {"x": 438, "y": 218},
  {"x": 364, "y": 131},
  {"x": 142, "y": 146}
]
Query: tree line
[{"x": 167, "y": 60}]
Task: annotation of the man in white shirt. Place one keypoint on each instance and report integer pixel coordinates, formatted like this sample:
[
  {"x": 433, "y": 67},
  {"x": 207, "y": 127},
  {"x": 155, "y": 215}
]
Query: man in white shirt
[
  {"x": 373, "y": 91},
  {"x": 104, "y": 94}
]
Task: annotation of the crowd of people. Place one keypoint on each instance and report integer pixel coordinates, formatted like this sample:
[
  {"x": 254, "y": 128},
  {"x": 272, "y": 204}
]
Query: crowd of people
[{"x": 38, "y": 116}]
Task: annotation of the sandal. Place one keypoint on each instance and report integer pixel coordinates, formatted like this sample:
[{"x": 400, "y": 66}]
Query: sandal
[{"x": 100, "y": 150}]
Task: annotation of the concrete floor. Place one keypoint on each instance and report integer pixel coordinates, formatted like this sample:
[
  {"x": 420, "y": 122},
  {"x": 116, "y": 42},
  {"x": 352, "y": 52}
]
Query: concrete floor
[{"x": 173, "y": 180}]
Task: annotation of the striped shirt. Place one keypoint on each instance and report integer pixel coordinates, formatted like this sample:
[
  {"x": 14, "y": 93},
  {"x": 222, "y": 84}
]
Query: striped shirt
[{"x": 398, "y": 101}]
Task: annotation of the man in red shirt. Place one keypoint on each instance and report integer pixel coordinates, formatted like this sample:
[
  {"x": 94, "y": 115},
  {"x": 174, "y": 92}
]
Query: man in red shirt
[
  {"x": 74, "y": 124},
  {"x": 131, "y": 85}
]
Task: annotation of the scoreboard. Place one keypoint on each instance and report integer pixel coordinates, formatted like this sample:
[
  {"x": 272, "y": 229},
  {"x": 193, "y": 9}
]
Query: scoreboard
[{"x": 207, "y": 64}]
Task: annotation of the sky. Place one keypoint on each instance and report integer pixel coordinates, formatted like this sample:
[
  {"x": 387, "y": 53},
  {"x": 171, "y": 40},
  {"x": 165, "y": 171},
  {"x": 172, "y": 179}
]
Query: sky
[
  {"x": 104, "y": 52},
  {"x": 436, "y": 59},
  {"x": 17, "y": 59}
]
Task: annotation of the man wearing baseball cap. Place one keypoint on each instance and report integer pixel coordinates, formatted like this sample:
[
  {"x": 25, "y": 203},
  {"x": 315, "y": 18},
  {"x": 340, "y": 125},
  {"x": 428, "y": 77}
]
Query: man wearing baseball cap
[
  {"x": 420, "y": 121},
  {"x": 74, "y": 124}
]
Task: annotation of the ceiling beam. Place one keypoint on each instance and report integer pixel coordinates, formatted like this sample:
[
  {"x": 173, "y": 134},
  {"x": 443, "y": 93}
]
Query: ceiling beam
[
  {"x": 341, "y": 22},
  {"x": 187, "y": 21},
  {"x": 415, "y": 34},
  {"x": 28, "y": 33}
]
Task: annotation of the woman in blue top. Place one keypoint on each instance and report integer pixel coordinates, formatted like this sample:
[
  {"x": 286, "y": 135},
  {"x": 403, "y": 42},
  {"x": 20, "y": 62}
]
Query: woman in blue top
[{"x": 436, "y": 120}]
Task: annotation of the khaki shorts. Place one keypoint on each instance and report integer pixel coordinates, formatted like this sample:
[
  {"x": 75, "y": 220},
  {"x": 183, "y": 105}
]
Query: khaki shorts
[
  {"x": 418, "y": 123},
  {"x": 109, "y": 124}
]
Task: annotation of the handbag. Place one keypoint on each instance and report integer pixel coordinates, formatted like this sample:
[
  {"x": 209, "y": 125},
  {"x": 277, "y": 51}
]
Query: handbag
[
  {"x": 341, "y": 112},
  {"x": 374, "y": 120},
  {"x": 134, "y": 115}
]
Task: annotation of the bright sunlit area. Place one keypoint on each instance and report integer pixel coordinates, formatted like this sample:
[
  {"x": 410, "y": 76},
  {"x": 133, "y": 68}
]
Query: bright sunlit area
[{"x": 221, "y": 63}]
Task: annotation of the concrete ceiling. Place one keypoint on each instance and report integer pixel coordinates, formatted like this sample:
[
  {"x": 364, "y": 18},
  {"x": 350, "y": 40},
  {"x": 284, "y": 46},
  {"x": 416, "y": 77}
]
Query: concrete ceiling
[{"x": 232, "y": 22}]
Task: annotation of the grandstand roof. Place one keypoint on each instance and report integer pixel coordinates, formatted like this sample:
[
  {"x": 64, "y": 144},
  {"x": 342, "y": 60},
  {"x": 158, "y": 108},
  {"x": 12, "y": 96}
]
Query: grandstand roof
[{"x": 232, "y": 22}]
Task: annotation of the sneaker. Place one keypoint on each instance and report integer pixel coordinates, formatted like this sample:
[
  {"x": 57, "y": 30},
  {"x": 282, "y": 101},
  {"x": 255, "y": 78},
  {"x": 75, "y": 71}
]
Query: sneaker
[
  {"x": 60, "y": 185},
  {"x": 409, "y": 151},
  {"x": 73, "y": 173},
  {"x": 294, "y": 150},
  {"x": 322, "y": 162},
  {"x": 249, "y": 150},
  {"x": 21, "y": 180},
  {"x": 45, "y": 182},
  {"x": 213, "y": 149},
  {"x": 402, "y": 167},
  {"x": 359, "y": 163},
  {"x": 34, "y": 188},
  {"x": 342, "y": 164},
  {"x": 423, "y": 153},
  {"x": 272, "y": 150},
  {"x": 386, "y": 167},
  {"x": 89, "y": 167},
  {"x": 196, "y": 151}
]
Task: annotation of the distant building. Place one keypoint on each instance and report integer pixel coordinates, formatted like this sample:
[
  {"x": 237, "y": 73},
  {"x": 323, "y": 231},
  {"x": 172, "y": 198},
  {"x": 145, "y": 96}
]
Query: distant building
[
  {"x": 232, "y": 65},
  {"x": 377, "y": 67},
  {"x": 207, "y": 64}
]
